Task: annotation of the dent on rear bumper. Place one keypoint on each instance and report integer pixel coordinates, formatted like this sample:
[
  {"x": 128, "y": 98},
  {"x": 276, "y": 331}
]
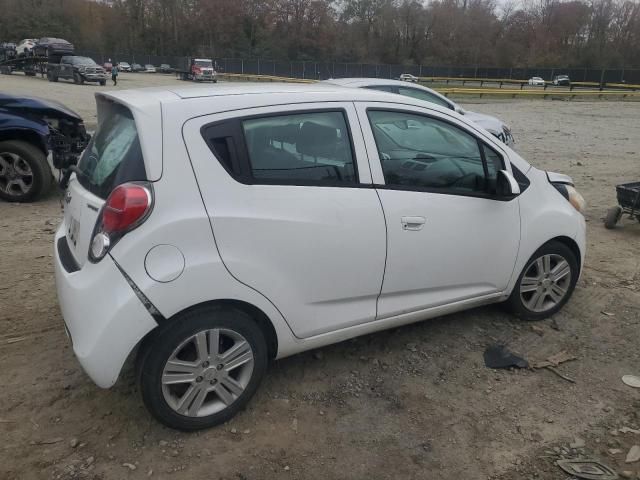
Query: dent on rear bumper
[{"x": 103, "y": 316}]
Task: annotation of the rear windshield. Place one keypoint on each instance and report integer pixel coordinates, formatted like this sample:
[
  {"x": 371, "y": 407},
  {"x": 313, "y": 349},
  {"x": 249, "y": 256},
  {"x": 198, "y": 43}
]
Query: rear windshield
[{"x": 114, "y": 155}]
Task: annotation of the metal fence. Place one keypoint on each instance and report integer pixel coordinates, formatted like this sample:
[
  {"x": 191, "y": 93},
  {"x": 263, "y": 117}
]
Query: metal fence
[{"x": 324, "y": 70}]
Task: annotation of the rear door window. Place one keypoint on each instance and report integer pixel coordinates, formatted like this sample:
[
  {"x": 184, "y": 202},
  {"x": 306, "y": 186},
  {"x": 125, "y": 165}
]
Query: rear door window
[
  {"x": 312, "y": 147},
  {"x": 114, "y": 155}
]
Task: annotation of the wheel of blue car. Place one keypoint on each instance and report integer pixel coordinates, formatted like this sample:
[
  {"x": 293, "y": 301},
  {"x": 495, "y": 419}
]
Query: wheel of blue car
[
  {"x": 202, "y": 367},
  {"x": 25, "y": 175}
]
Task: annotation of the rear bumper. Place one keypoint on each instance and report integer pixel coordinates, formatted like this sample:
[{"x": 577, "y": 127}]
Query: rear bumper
[{"x": 103, "y": 316}]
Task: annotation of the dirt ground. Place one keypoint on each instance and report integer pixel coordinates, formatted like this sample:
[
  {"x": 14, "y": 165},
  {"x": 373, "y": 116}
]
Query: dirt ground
[{"x": 414, "y": 402}]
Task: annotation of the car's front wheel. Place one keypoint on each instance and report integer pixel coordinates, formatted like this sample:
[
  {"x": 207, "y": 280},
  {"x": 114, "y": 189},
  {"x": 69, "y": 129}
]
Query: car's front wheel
[
  {"x": 24, "y": 172},
  {"x": 546, "y": 282},
  {"x": 202, "y": 368}
]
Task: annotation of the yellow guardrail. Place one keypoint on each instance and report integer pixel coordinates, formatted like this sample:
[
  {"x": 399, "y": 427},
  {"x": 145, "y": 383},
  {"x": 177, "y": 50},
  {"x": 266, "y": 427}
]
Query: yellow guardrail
[
  {"x": 261, "y": 78},
  {"x": 523, "y": 82},
  {"x": 456, "y": 90},
  {"x": 536, "y": 93}
]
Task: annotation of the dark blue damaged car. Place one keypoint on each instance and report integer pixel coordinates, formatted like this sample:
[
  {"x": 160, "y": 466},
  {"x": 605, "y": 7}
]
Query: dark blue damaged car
[{"x": 38, "y": 138}]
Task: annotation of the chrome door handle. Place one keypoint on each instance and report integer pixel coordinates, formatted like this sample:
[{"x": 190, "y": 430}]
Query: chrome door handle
[{"x": 413, "y": 223}]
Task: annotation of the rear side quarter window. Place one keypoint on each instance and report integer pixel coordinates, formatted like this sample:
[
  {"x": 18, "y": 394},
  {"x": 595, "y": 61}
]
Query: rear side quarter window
[{"x": 297, "y": 148}]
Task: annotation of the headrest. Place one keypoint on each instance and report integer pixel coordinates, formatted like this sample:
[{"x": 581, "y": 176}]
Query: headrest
[{"x": 315, "y": 139}]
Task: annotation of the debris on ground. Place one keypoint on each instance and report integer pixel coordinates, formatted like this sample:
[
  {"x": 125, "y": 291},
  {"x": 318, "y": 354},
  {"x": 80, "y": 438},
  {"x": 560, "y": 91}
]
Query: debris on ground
[
  {"x": 50, "y": 441},
  {"x": 577, "y": 443},
  {"x": 633, "y": 455},
  {"x": 631, "y": 380},
  {"x": 629, "y": 430},
  {"x": 587, "y": 469},
  {"x": 554, "y": 360},
  {"x": 537, "y": 329},
  {"x": 499, "y": 356}
]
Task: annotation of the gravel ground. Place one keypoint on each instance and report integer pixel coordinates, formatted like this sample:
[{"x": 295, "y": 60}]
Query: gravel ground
[{"x": 414, "y": 402}]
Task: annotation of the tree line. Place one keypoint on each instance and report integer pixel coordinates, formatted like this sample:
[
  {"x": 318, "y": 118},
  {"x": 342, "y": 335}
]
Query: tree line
[{"x": 515, "y": 33}]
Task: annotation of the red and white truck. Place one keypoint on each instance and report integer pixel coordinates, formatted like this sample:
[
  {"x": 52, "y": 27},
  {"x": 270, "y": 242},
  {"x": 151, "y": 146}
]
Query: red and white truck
[{"x": 196, "y": 69}]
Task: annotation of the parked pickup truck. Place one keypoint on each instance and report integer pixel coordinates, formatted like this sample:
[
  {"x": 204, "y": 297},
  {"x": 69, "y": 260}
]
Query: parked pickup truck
[
  {"x": 78, "y": 69},
  {"x": 196, "y": 69}
]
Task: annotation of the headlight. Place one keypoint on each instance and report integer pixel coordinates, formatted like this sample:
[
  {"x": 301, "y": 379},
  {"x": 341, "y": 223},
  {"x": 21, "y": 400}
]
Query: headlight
[
  {"x": 572, "y": 195},
  {"x": 82, "y": 69},
  {"x": 576, "y": 199}
]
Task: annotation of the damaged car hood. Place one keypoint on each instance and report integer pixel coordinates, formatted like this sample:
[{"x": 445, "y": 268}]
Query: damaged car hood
[{"x": 37, "y": 108}]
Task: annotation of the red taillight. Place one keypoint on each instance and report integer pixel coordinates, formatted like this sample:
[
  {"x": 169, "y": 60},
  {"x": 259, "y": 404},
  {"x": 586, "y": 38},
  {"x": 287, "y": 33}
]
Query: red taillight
[
  {"x": 126, "y": 205},
  {"x": 126, "y": 208}
]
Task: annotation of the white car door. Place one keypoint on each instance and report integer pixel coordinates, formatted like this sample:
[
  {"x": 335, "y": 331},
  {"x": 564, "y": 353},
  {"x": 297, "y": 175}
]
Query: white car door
[
  {"x": 294, "y": 215},
  {"x": 449, "y": 238}
]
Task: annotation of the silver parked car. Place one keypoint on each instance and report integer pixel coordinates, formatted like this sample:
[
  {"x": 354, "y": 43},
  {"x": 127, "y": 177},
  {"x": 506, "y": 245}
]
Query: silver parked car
[{"x": 493, "y": 125}]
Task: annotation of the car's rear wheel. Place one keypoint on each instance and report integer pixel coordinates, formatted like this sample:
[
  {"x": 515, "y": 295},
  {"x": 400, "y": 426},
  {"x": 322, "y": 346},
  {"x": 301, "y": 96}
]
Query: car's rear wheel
[
  {"x": 24, "y": 172},
  {"x": 546, "y": 282},
  {"x": 202, "y": 368}
]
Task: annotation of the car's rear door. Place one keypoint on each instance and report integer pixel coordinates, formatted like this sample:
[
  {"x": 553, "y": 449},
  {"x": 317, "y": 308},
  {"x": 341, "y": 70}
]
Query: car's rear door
[{"x": 288, "y": 192}]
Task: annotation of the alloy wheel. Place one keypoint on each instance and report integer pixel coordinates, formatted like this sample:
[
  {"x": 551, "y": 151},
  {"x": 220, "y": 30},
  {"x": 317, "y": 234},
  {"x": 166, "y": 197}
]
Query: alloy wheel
[
  {"x": 207, "y": 372},
  {"x": 16, "y": 176},
  {"x": 545, "y": 283}
]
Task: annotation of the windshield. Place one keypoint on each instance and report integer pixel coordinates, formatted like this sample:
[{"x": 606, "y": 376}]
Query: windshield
[
  {"x": 114, "y": 155},
  {"x": 79, "y": 60},
  {"x": 204, "y": 63}
]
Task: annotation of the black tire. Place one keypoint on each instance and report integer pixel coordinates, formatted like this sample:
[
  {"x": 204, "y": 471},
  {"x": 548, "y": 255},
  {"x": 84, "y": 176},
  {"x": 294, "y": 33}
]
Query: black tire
[
  {"x": 103, "y": 83},
  {"x": 41, "y": 179},
  {"x": 77, "y": 79},
  {"x": 515, "y": 302},
  {"x": 612, "y": 217},
  {"x": 155, "y": 353}
]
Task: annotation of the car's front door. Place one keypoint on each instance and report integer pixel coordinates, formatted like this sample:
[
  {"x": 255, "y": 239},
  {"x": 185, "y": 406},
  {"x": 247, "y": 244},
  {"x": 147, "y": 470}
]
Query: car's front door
[
  {"x": 288, "y": 191},
  {"x": 450, "y": 238},
  {"x": 66, "y": 69}
]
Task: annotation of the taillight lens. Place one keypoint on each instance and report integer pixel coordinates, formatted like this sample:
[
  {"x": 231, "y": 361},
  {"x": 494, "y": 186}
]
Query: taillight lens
[
  {"x": 127, "y": 204},
  {"x": 126, "y": 208}
]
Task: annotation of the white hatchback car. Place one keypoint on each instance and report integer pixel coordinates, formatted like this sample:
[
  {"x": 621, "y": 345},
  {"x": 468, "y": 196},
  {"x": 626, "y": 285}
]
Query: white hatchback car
[
  {"x": 208, "y": 230},
  {"x": 494, "y": 125}
]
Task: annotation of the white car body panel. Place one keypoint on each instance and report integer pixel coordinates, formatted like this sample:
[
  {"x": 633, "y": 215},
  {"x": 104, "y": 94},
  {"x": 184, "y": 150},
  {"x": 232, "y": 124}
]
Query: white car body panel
[
  {"x": 201, "y": 211},
  {"x": 292, "y": 255},
  {"x": 104, "y": 329},
  {"x": 418, "y": 273}
]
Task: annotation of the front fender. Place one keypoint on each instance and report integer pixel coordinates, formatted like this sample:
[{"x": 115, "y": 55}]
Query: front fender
[
  {"x": 17, "y": 127},
  {"x": 545, "y": 214}
]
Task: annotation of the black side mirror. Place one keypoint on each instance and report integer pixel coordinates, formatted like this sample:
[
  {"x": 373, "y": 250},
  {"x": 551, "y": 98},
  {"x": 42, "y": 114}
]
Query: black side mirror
[{"x": 506, "y": 185}]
